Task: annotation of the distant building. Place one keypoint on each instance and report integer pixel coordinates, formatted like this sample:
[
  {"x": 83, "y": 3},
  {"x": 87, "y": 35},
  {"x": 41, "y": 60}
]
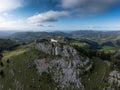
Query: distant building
[{"x": 54, "y": 41}]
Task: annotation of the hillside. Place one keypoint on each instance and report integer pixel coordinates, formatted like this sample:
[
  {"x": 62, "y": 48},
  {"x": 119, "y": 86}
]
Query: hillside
[
  {"x": 32, "y": 67},
  {"x": 22, "y": 62},
  {"x": 6, "y": 44},
  {"x": 71, "y": 63}
]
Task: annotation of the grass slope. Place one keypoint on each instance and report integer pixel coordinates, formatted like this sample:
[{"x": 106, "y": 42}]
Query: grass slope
[
  {"x": 20, "y": 71},
  {"x": 109, "y": 49},
  {"x": 17, "y": 51},
  {"x": 94, "y": 80},
  {"x": 80, "y": 44}
]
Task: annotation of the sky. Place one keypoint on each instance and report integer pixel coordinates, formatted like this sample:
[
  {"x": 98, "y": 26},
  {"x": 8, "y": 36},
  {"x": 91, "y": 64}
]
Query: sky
[{"x": 47, "y": 15}]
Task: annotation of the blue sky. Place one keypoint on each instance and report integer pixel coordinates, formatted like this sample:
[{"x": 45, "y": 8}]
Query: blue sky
[{"x": 47, "y": 15}]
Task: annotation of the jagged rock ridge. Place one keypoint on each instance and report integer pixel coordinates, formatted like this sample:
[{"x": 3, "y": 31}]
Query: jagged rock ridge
[
  {"x": 65, "y": 70},
  {"x": 114, "y": 78}
]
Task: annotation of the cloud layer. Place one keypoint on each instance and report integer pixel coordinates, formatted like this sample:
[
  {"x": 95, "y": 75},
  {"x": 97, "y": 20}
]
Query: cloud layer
[
  {"x": 56, "y": 10},
  {"x": 49, "y": 16},
  {"x": 7, "y": 5},
  {"x": 34, "y": 22}
]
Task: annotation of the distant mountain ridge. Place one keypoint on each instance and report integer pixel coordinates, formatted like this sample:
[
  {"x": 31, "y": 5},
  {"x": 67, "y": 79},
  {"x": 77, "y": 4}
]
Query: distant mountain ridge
[
  {"x": 80, "y": 34},
  {"x": 4, "y": 34},
  {"x": 110, "y": 38}
]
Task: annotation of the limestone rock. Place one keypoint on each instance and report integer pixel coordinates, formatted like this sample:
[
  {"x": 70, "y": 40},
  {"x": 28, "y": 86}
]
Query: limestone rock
[
  {"x": 114, "y": 78},
  {"x": 65, "y": 70}
]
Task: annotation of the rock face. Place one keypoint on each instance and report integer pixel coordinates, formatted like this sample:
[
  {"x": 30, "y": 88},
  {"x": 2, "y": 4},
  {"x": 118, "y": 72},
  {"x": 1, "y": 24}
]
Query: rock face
[
  {"x": 57, "y": 49},
  {"x": 114, "y": 78},
  {"x": 66, "y": 70}
]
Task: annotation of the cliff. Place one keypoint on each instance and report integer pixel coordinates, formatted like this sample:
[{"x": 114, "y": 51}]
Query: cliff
[{"x": 67, "y": 69}]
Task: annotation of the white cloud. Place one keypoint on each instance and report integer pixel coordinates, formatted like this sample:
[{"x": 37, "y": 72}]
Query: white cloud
[
  {"x": 49, "y": 16},
  {"x": 7, "y": 23},
  {"x": 7, "y": 5}
]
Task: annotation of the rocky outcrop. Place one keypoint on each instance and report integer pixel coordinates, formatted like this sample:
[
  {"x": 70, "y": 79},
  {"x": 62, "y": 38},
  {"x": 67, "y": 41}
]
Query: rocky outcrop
[
  {"x": 64, "y": 72},
  {"x": 114, "y": 79},
  {"x": 57, "y": 49},
  {"x": 67, "y": 69}
]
